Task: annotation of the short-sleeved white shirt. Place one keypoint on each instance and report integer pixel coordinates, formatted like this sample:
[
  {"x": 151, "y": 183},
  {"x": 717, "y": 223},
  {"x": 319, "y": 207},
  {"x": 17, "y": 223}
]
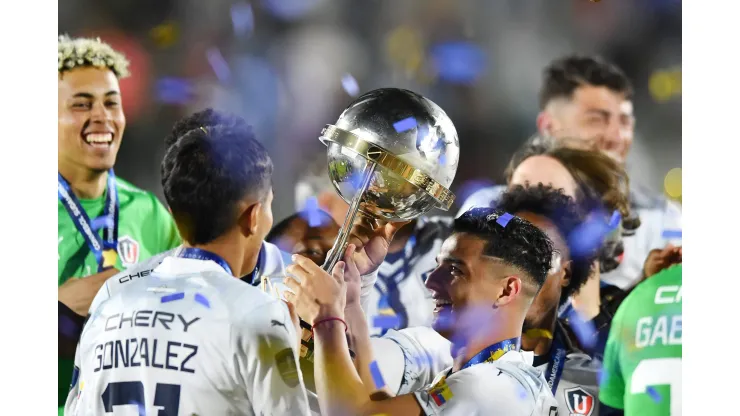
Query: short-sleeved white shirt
[
  {"x": 508, "y": 386},
  {"x": 190, "y": 339}
]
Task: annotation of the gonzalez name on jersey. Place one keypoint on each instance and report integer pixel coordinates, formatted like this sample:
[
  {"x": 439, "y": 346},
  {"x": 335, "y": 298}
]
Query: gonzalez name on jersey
[
  {"x": 271, "y": 264},
  {"x": 190, "y": 339}
]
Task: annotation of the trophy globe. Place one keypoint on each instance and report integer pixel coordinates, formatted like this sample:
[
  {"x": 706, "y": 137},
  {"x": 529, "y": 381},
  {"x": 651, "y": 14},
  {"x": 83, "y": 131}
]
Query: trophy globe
[{"x": 392, "y": 156}]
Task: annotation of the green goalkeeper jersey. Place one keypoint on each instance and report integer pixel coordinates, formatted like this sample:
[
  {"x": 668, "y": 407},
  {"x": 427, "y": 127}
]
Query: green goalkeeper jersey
[
  {"x": 145, "y": 228},
  {"x": 642, "y": 361}
]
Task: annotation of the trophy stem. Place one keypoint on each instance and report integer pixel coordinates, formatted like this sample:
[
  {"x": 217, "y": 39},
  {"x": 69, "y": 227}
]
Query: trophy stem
[{"x": 340, "y": 244}]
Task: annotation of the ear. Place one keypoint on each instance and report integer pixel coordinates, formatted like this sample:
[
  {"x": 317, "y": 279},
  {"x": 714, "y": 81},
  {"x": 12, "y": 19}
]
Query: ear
[
  {"x": 565, "y": 273},
  {"x": 511, "y": 288},
  {"x": 249, "y": 219},
  {"x": 545, "y": 124}
]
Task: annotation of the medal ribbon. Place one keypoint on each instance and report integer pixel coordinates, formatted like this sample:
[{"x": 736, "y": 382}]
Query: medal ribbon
[
  {"x": 557, "y": 361},
  {"x": 105, "y": 249},
  {"x": 199, "y": 254},
  {"x": 494, "y": 352}
]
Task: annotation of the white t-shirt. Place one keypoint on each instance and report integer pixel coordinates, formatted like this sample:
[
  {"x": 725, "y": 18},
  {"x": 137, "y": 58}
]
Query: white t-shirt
[
  {"x": 189, "y": 339},
  {"x": 410, "y": 359},
  {"x": 508, "y": 386}
]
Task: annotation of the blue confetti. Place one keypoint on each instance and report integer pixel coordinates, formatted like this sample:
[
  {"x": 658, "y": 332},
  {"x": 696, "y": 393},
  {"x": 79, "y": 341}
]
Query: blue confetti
[
  {"x": 584, "y": 330},
  {"x": 458, "y": 62},
  {"x": 355, "y": 181},
  {"x": 405, "y": 124},
  {"x": 504, "y": 219},
  {"x": 603, "y": 376},
  {"x": 141, "y": 407},
  {"x": 522, "y": 393},
  {"x": 174, "y": 90},
  {"x": 287, "y": 258},
  {"x": 312, "y": 213},
  {"x": 289, "y": 9},
  {"x": 615, "y": 219},
  {"x": 173, "y": 297},
  {"x": 445, "y": 320},
  {"x": 349, "y": 83},
  {"x": 101, "y": 222},
  {"x": 219, "y": 65},
  {"x": 588, "y": 236},
  {"x": 377, "y": 377},
  {"x": 472, "y": 187},
  {"x": 386, "y": 322},
  {"x": 242, "y": 18},
  {"x": 669, "y": 234},
  {"x": 202, "y": 300},
  {"x": 650, "y": 391}
]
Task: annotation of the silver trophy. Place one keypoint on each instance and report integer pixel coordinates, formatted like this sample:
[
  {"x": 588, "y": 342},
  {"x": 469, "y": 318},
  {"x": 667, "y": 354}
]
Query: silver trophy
[{"x": 392, "y": 156}]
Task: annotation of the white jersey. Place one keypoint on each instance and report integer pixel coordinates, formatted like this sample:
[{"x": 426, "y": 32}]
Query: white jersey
[
  {"x": 399, "y": 298},
  {"x": 190, "y": 339},
  {"x": 661, "y": 223},
  {"x": 410, "y": 358},
  {"x": 508, "y": 386},
  {"x": 271, "y": 265}
]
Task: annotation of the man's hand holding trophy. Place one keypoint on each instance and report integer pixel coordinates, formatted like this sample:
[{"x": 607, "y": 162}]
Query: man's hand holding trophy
[{"x": 391, "y": 156}]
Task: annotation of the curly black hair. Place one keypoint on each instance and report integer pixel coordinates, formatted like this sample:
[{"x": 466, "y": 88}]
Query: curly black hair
[
  {"x": 208, "y": 171},
  {"x": 564, "y": 213},
  {"x": 204, "y": 118},
  {"x": 517, "y": 242},
  {"x": 564, "y": 75}
]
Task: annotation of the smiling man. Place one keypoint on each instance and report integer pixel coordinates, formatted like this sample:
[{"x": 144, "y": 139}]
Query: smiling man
[
  {"x": 105, "y": 223},
  {"x": 491, "y": 266}
]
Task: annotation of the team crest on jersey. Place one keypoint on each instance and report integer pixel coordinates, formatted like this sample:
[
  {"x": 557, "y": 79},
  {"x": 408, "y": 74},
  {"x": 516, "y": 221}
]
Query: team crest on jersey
[
  {"x": 128, "y": 251},
  {"x": 579, "y": 401}
]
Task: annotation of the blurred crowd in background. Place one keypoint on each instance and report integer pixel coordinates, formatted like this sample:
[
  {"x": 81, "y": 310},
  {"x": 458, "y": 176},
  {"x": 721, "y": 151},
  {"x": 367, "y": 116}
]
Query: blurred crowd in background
[{"x": 289, "y": 67}]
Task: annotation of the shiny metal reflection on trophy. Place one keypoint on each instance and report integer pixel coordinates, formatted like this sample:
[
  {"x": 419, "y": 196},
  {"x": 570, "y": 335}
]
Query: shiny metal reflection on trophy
[{"x": 392, "y": 156}]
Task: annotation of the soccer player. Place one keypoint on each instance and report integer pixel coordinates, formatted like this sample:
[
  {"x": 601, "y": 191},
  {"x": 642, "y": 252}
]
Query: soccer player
[
  {"x": 409, "y": 354},
  {"x": 584, "y": 175},
  {"x": 493, "y": 262},
  {"x": 642, "y": 364},
  {"x": 590, "y": 100},
  {"x": 105, "y": 223},
  {"x": 192, "y": 338}
]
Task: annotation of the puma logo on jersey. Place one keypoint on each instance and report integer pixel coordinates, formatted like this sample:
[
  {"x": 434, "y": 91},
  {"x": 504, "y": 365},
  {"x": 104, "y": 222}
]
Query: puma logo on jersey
[{"x": 275, "y": 322}]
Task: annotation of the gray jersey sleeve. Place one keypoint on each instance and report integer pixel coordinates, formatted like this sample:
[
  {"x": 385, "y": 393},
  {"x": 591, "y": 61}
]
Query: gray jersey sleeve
[{"x": 267, "y": 356}]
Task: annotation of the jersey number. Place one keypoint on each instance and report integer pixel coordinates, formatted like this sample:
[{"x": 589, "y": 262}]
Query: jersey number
[
  {"x": 166, "y": 396},
  {"x": 659, "y": 372}
]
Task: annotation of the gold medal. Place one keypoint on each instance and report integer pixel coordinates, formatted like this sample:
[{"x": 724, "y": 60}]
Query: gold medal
[
  {"x": 538, "y": 333},
  {"x": 110, "y": 257}
]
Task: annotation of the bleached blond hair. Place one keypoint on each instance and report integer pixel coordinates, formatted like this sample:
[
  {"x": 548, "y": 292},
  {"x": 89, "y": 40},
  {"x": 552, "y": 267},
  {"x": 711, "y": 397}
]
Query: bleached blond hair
[{"x": 86, "y": 52}]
